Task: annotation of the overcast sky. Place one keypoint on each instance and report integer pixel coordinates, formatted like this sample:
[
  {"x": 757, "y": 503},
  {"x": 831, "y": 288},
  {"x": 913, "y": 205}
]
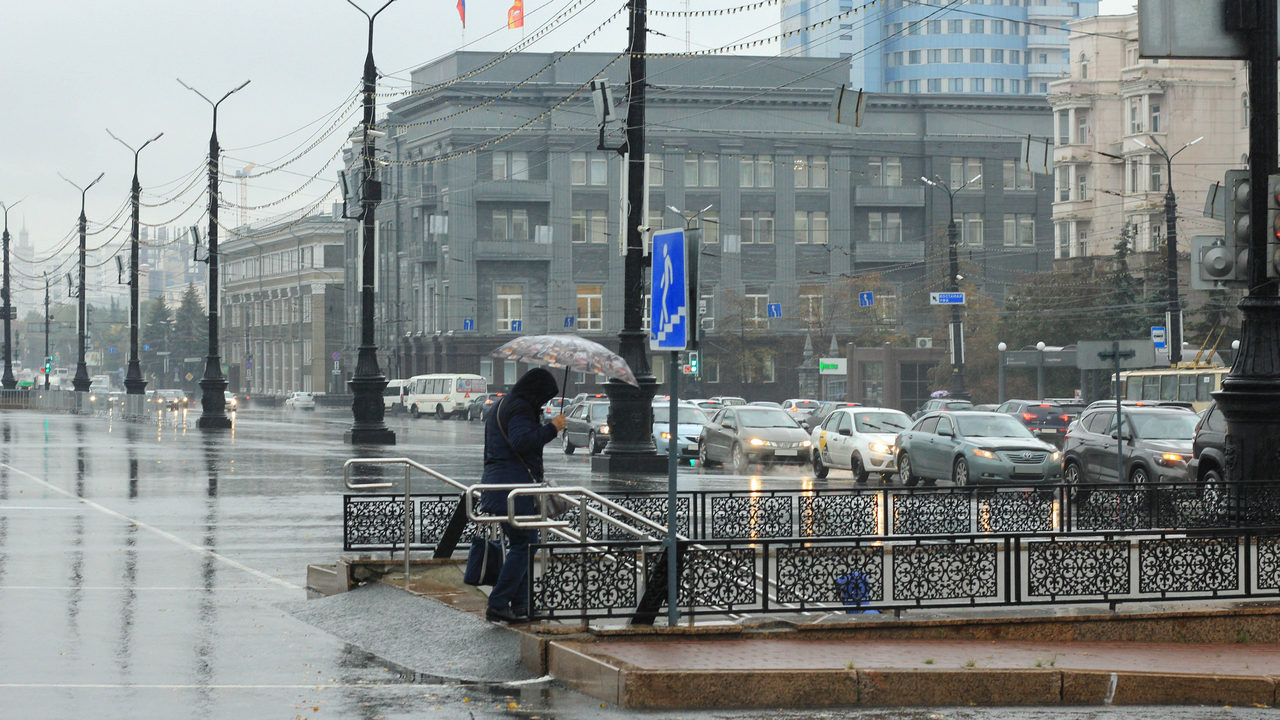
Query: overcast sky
[{"x": 73, "y": 68}]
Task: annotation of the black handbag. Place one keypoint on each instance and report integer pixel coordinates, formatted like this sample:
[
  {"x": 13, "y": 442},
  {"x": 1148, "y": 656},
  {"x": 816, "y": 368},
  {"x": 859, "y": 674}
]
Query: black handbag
[
  {"x": 484, "y": 562},
  {"x": 553, "y": 506}
]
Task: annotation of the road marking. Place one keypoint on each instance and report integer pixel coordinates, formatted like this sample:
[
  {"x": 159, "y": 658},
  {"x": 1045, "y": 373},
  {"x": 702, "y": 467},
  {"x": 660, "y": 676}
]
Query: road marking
[{"x": 149, "y": 528}]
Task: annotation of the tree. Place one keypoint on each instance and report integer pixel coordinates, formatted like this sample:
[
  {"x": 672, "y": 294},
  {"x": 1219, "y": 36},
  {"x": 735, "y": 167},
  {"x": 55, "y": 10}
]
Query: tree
[
  {"x": 190, "y": 334},
  {"x": 155, "y": 336}
]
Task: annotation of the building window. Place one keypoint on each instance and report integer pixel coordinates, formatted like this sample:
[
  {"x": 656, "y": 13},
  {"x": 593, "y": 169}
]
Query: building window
[
  {"x": 955, "y": 55},
  {"x": 1133, "y": 166},
  {"x": 1084, "y": 66},
  {"x": 913, "y": 57},
  {"x": 656, "y": 177},
  {"x": 757, "y": 227},
  {"x": 588, "y": 169},
  {"x": 1019, "y": 229},
  {"x": 1244, "y": 110},
  {"x": 964, "y": 170},
  {"x": 935, "y": 56},
  {"x": 511, "y": 224},
  {"x": 510, "y": 165},
  {"x": 884, "y": 227},
  {"x": 1157, "y": 177},
  {"x": 811, "y": 171},
  {"x": 1155, "y": 117},
  {"x": 970, "y": 225},
  {"x": 1063, "y": 231},
  {"x": 1082, "y": 184},
  {"x": 706, "y": 313},
  {"x": 1064, "y": 127},
  {"x": 977, "y": 55},
  {"x": 710, "y": 227},
  {"x": 978, "y": 84},
  {"x": 510, "y": 305},
  {"x": 935, "y": 85},
  {"x": 997, "y": 85},
  {"x": 1082, "y": 239},
  {"x": 886, "y": 171},
  {"x": 1082, "y": 127},
  {"x": 768, "y": 368},
  {"x": 955, "y": 84},
  {"x": 1064, "y": 184},
  {"x": 1135, "y": 116},
  {"x": 591, "y": 307},
  {"x": 755, "y": 171},
  {"x": 997, "y": 56},
  {"x": 955, "y": 27},
  {"x": 811, "y": 227},
  {"x": 757, "y": 310},
  {"x": 711, "y": 371},
  {"x": 1015, "y": 87},
  {"x": 701, "y": 171},
  {"x": 589, "y": 226}
]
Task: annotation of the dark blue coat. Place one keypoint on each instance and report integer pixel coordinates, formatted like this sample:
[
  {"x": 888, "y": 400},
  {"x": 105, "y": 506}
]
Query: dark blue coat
[{"x": 525, "y": 438}]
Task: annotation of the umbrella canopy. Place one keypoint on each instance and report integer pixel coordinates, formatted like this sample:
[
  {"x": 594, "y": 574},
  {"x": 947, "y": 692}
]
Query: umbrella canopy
[
  {"x": 940, "y": 393},
  {"x": 569, "y": 352}
]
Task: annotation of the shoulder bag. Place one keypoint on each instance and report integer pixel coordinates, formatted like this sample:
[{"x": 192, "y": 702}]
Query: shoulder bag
[{"x": 553, "y": 506}]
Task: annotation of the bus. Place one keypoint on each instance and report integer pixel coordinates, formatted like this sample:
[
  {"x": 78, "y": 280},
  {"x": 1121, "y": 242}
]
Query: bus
[
  {"x": 1193, "y": 384},
  {"x": 442, "y": 394}
]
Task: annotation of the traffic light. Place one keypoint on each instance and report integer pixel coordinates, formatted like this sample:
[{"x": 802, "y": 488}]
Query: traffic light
[
  {"x": 1273, "y": 226},
  {"x": 1219, "y": 262},
  {"x": 693, "y": 362},
  {"x": 48, "y": 365}
]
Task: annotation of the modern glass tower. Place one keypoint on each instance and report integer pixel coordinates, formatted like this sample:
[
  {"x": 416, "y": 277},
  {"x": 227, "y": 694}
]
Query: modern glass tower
[{"x": 1012, "y": 47}]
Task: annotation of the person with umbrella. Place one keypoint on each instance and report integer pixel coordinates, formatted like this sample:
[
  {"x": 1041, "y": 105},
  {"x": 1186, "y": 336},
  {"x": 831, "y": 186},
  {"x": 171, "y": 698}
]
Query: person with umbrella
[{"x": 513, "y": 440}]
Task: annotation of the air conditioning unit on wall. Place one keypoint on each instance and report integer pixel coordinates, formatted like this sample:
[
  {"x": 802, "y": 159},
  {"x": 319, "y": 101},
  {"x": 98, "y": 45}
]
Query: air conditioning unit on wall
[{"x": 924, "y": 342}]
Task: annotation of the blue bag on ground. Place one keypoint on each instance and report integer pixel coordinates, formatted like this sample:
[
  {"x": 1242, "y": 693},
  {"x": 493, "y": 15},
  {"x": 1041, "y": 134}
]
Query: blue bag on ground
[
  {"x": 484, "y": 562},
  {"x": 855, "y": 592}
]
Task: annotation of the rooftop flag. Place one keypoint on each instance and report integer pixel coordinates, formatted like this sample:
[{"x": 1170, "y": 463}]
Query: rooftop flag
[
  {"x": 462, "y": 12},
  {"x": 515, "y": 15}
]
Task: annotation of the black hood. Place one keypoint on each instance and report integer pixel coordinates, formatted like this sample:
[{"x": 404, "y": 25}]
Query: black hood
[{"x": 536, "y": 387}]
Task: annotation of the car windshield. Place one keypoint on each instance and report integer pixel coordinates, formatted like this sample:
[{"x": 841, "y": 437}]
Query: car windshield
[
  {"x": 1171, "y": 426},
  {"x": 957, "y": 405},
  {"x": 991, "y": 426},
  {"x": 882, "y": 422},
  {"x": 766, "y": 418},
  {"x": 599, "y": 411},
  {"x": 685, "y": 415}
]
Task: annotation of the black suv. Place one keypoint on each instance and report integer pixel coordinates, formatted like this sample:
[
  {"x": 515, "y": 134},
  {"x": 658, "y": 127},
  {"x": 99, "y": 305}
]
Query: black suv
[
  {"x": 1047, "y": 421},
  {"x": 1208, "y": 462},
  {"x": 1155, "y": 443}
]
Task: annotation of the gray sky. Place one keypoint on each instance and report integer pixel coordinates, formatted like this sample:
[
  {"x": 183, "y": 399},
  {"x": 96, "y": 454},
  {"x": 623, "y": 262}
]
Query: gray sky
[{"x": 76, "y": 67}]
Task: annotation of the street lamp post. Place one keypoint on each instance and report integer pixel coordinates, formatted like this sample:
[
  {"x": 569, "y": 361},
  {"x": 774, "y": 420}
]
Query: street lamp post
[
  {"x": 957, "y": 326},
  {"x": 1171, "y": 240},
  {"x": 47, "y": 370},
  {"x": 81, "y": 381},
  {"x": 133, "y": 382},
  {"x": 1040, "y": 346},
  {"x": 1001, "y": 347},
  {"x": 9, "y": 382},
  {"x": 367, "y": 383},
  {"x": 213, "y": 413}
]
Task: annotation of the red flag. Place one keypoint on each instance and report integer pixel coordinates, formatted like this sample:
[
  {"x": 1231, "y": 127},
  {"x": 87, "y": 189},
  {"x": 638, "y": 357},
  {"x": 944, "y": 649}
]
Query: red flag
[
  {"x": 515, "y": 16},
  {"x": 462, "y": 12}
]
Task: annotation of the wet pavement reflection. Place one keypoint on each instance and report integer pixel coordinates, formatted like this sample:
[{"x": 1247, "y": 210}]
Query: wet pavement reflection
[{"x": 147, "y": 570}]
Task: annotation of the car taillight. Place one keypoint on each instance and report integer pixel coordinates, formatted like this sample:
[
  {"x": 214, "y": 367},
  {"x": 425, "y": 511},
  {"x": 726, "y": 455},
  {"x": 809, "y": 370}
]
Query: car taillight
[
  {"x": 1028, "y": 417},
  {"x": 1065, "y": 418}
]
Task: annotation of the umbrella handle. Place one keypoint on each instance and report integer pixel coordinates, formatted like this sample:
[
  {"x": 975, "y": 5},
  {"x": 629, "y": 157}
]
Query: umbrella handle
[{"x": 564, "y": 385}]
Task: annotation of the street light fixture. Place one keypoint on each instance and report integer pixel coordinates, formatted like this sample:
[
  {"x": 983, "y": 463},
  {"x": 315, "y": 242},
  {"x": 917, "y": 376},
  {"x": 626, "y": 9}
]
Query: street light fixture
[
  {"x": 81, "y": 381},
  {"x": 133, "y": 382},
  {"x": 1001, "y": 347},
  {"x": 1174, "y": 320},
  {"x": 9, "y": 382},
  {"x": 213, "y": 385},
  {"x": 957, "y": 327},
  {"x": 367, "y": 383},
  {"x": 1040, "y": 346}
]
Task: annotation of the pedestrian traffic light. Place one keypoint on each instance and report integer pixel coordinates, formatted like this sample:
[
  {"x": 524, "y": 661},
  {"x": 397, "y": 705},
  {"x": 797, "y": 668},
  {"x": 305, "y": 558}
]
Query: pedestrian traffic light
[{"x": 1273, "y": 226}]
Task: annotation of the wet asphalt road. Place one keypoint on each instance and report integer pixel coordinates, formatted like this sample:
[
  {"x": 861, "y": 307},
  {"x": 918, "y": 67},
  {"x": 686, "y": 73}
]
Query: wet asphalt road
[{"x": 153, "y": 570}]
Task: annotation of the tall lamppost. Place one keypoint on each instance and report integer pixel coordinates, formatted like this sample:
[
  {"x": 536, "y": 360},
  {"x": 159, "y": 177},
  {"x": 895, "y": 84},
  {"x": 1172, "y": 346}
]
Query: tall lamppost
[
  {"x": 367, "y": 383},
  {"x": 1171, "y": 241},
  {"x": 213, "y": 385},
  {"x": 48, "y": 370},
  {"x": 81, "y": 381},
  {"x": 1001, "y": 347},
  {"x": 957, "y": 327},
  {"x": 133, "y": 382},
  {"x": 9, "y": 382}
]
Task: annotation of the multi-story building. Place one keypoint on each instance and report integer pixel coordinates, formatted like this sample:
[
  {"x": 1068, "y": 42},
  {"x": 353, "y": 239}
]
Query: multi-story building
[
  {"x": 1115, "y": 119},
  {"x": 500, "y": 215},
  {"x": 1011, "y": 47},
  {"x": 281, "y": 307}
]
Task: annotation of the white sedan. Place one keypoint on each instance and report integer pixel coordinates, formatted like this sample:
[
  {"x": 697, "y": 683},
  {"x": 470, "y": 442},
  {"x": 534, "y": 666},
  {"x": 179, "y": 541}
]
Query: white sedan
[
  {"x": 859, "y": 440},
  {"x": 300, "y": 401}
]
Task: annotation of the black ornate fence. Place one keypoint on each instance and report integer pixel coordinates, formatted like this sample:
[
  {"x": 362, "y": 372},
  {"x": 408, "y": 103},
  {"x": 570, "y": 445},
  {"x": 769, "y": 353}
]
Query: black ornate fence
[
  {"x": 896, "y": 573},
  {"x": 376, "y": 522}
]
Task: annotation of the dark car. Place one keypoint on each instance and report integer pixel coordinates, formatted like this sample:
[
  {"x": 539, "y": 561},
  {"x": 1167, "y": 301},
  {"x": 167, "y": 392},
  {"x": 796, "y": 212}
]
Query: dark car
[
  {"x": 1047, "y": 421},
  {"x": 1208, "y": 461},
  {"x": 743, "y": 434},
  {"x": 482, "y": 404},
  {"x": 586, "y": 425},
  {"x": 945, "y": 404},
  {"x": 1154, "y": 444}
]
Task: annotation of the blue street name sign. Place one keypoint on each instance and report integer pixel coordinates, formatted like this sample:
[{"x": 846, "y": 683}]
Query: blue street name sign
[
  {"x": 517, "y": 325},
  {"x": 468, "y": 323},
  {"x": 775, "y": 310},
  {"x": 946, "y": 298},
  {"x": 669, "y": 311},
  {"x": 866, "y": 299}
]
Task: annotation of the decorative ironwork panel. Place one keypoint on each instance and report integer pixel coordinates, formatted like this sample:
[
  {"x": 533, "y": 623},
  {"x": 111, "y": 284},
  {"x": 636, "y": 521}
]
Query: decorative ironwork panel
[
  {"x": 1268, "y": 559},
  {"x": 838, "y": 515},
  {"x": 1124, "y": 508},
  {"x": 1188, "y": 564},
  {"x": 1260, "y": 504},
  {"x": 434, "y": 515},
  {"x": 654, "y": 509},
  {"x": 1015, "y": 512},
  {"x": 1062, "y": 567},
  {"x": 930, "y": 514},
  {"x": 751, "y": 516},
  {"x": 822, "y": 573},
  {"x": 714, "y": 577},
  {"x": 571, "y": 580},
  {"x": 945, "y": 571},
  {"x": 375, "y": 521}
]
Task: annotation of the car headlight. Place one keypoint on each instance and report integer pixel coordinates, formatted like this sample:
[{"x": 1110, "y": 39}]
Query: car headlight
[
  {"x": 1055, "y": 457},
  {"x": 806, "y": 443},
  {"x": 664, "y": 435},
  {"x": 1171, "y": 458},
  {"x": 604, "y": 429},
  {"x": 983, "y": 453},
  {"x": 758, "y": 442},
  {"x": 879, "y": 447}
]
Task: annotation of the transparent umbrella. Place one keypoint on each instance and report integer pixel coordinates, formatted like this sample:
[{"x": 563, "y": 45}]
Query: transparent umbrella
[{"x": 569, "y": 352}]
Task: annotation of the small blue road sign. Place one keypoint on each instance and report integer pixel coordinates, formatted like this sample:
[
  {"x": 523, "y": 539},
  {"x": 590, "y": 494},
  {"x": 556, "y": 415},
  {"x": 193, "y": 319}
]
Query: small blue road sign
[
  {"x": 1158, "y": 336},
  {"x": 570, "y": 322},
  {"x": 946, "y": 298},
  {"x": 517, "y": 325},
  {"x": 866, "y": 299},
  {"x": 669, "y": 311},
  {"x": 468, "y": 323},
  {"x": 775, "y": 310}
]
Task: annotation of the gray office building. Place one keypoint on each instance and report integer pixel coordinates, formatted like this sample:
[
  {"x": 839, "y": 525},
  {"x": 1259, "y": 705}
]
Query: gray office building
[{"x": 500, "y": 213}]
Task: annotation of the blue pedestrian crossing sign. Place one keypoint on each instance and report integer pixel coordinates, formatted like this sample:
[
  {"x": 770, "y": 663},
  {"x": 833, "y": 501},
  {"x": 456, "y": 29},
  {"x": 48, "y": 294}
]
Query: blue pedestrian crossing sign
[
  {"x": 517, "y": 325},
  {"x": 866, "y": 299},
  {"x": 669, "y": 283},
  {"x": 775, "y": 310},
  {"x": 468, "y": 323},
  {"x": 570, "y": 322}
]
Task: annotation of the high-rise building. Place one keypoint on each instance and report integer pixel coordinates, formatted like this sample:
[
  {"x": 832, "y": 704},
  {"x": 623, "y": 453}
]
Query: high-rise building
[{"x": 1006, "y": 47}]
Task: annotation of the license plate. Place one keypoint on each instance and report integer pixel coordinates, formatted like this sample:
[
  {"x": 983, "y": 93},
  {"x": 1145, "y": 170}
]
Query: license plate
[
  {"x": 1049, "y": 431},
  {"x": 785, "y": 453}
]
